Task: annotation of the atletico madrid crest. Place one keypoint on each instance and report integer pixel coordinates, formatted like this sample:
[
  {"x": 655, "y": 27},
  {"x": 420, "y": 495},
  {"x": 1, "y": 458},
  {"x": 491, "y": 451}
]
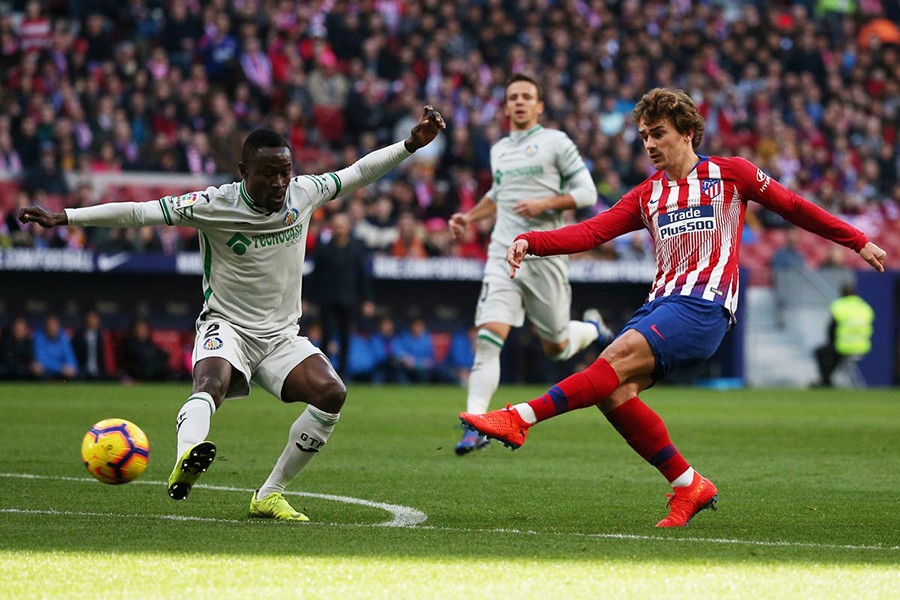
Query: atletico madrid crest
[{"x": 713, "y": 189}]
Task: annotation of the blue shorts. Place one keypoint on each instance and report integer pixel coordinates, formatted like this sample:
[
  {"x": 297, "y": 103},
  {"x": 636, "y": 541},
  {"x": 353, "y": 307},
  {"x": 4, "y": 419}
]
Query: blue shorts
[{"x": 682, "y": 331}]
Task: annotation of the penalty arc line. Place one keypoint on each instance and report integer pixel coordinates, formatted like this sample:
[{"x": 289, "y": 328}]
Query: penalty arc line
[
  {"x": 397, "y": 521},
  {"x": 401, "y": 516}
]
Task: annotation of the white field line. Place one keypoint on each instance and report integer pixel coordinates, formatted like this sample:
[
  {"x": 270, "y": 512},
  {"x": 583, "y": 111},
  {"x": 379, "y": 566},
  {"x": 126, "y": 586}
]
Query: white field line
[
  {"x": 401, "y": 516},
  {"x": 397, "y": 521}
]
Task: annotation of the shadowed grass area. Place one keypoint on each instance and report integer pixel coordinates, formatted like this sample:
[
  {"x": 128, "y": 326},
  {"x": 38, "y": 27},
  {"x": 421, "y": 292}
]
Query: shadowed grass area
[{"x": 808, "y": 486}]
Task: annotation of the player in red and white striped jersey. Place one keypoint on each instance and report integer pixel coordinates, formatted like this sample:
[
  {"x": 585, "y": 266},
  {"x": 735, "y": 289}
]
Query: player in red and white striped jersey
[{"x": 694, "y": 208}]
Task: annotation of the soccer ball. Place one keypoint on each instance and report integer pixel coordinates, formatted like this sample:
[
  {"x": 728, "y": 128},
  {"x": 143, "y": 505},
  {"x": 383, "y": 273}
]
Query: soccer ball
[{"x": 115, "y": 451}]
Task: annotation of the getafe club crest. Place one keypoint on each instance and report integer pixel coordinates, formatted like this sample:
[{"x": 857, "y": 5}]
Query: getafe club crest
[
  {"x": 213, "y": 343},
  {"x": 713, "y": 189},
  {"x": 531, "y": 150},
  {"x": 291, "y": 217}
]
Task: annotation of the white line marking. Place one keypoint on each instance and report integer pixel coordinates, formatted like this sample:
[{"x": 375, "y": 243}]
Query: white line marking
[
  {"x": 630, "y": 536},
  {"x": 405, "y": 520},
  {"x": 401, "y": 516}
]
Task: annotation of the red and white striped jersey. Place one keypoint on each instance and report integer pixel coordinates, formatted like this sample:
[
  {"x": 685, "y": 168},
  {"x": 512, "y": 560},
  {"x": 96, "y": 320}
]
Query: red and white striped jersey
[{"x": 696, "y": 224}]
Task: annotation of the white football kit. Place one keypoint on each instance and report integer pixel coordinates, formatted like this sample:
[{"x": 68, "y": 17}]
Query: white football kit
[
  {"x": 538, "y": 163},
  {"x": 252, "y": 263}
]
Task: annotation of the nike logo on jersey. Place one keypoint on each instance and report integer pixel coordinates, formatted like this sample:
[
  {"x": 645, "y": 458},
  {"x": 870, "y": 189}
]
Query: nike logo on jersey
[{"x": 656, "y": 331}]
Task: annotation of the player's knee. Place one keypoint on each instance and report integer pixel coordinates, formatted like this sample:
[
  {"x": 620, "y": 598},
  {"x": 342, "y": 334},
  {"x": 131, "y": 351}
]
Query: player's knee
[
  {"x": 331, "y": 396},
  {"x": 328, "y": 395},
  {"x": 212, "y": 385}
]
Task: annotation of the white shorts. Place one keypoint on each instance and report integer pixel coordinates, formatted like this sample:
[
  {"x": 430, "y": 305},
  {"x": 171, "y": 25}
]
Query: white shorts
[
  {"x": 540, "y": 290},
  {"x": 266, "y": 361}
]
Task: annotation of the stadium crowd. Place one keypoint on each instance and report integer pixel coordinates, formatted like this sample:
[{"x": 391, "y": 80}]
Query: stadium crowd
[
  {"x": 91, "y": 90},
  {"x": 809, "y": 90}
]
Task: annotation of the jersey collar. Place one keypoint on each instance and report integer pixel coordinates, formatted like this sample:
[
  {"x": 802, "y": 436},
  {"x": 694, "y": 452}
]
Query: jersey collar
[
  {"x": 248, "y": 201},
  {"x": 521, "y": 135}
]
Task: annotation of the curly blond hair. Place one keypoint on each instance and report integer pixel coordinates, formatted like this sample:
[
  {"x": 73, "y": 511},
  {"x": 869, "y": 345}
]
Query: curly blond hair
[{"x": 662, "y": 103}]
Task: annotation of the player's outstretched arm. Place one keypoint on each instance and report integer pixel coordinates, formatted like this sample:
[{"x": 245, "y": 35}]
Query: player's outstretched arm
[
  {"x": 374, "y": 165},
  {"x": 874, "y": 255},
  {"x": 515, "y": 255},
  {"x": 425, "y": 130},
  {"x": 44, "y": 218},
  {"x": 111, "y": 214}
]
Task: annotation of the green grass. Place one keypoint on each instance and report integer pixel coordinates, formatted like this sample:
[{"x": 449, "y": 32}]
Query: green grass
[{"x": 808, "y": 504}]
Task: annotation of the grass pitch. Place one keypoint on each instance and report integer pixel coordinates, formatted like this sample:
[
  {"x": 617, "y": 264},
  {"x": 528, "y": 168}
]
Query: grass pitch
[{"x": 808, "y": 507}]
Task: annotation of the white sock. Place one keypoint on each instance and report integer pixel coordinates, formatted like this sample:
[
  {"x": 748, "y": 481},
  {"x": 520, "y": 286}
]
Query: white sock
[
  {"x": 581, "y": 335},
  {"x": 526, "y": 412},
  {"x": 684, "y": 479},
  {"x": 308, "y": 435},
  {"x": 192, "y": 425},
  {"x": 485, "y": 375}
]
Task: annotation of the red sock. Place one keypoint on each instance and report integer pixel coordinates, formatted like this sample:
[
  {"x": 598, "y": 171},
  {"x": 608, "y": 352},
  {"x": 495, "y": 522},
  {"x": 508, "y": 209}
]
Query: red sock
[
  {"x": 580, "y": 390},
  {"x": 645, "y": 431}
]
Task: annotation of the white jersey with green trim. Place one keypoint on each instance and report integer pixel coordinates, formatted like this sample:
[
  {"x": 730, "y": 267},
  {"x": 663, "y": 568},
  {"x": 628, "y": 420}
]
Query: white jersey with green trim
[
  {"x": 538, "y": 163},
  {"x": 252, "y": 260}
]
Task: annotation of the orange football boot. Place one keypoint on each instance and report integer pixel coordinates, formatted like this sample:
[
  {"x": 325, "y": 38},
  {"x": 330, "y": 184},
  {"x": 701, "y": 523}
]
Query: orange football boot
[
  {"x": 687, "y": 501},
  {"x": 504, "y": 425}
]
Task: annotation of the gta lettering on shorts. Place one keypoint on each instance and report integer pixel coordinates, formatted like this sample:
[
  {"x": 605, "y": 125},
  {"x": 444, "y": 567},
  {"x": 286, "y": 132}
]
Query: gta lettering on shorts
[{"x": 686, "y": 220}]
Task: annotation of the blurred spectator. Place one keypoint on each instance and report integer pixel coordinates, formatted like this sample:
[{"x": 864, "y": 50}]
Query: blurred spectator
[
  {"x": 46, "y": 175},
  {"x": 835, "y": 269},
  {"x": 18, "y": 233},
  {"x": 34, "y": 29},
  {"x": 362, "y": 361},
  {"x": 9, "y": 158},
  {"x": 329, "y": 89},
  {"x": 789, "y": 255},
  {"x": 256, "y": 66},
  {"x": 342, "y": 283},
  {"x": 378, "y": 229},
  {"x": 409, "y": 238},
  {"x": 461, "y": 356},
  {"x": 414, "y": 350},
  {"x": 141, "y": 358},
  {"x": 90, "y": 351},
  {"x": 17, "y": 352},
  {"x": 53, "y": 351},
  {"x": 180, "y": 32},
  {"x": 218, "y": 48},
  {"x": 383, "y": 348},
  {"x": 786, "y": 262}
]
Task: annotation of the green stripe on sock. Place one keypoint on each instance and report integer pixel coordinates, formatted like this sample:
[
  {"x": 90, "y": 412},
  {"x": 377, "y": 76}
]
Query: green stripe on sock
[
  {"x": 490, "y": 336},
  {"x": 205, "y": 399},
  {"x": 320, "y": 417}
]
